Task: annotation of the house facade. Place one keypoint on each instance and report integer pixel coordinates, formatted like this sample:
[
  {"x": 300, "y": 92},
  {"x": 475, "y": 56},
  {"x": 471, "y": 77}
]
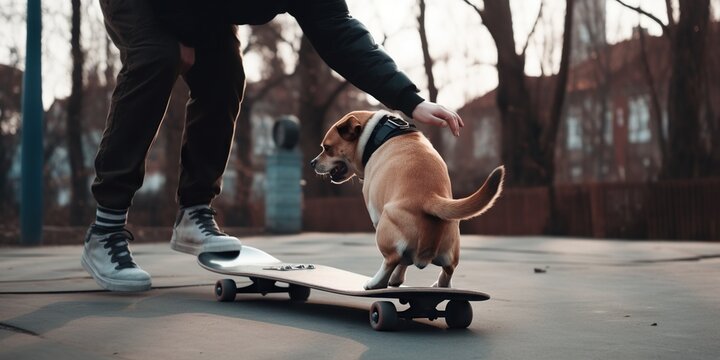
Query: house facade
[{"x": 612, "y": 122}]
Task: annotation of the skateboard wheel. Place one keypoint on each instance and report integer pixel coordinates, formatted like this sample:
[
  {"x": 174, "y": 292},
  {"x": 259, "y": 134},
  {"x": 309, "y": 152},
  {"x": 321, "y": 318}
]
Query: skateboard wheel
[
  {"x": 458, "y": 314},
  {"x": 383, "y": 316},
  {"x": 225, "y": 290},
  {"x": 298, "y": 292}
]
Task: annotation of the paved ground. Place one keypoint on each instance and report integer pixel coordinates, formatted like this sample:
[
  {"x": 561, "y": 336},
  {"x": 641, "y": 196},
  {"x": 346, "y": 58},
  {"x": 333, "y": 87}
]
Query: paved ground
[{"x": 596, "y": 300}]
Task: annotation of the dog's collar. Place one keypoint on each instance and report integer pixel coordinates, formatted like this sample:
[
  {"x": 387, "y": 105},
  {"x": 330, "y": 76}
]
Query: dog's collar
[{"x": 387, "y": 128}]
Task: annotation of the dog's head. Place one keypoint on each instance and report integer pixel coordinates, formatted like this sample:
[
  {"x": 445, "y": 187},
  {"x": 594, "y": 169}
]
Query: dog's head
[{"x": 339, "y": 156}]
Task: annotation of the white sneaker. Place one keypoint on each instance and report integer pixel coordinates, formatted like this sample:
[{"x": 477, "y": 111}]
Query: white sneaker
[
  {"x": 197, "y": 232},
  {"x": 107, "y": 258}
]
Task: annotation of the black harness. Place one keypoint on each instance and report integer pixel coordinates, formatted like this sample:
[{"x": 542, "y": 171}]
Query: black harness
[{"x": 387, "y": 128}]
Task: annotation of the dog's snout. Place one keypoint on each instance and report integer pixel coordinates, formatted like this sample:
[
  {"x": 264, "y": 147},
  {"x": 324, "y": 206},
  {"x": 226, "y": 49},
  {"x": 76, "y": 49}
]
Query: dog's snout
[{"x": 313, "y": 162}]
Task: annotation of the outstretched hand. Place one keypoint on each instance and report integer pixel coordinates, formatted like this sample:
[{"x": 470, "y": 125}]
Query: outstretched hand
[{"x": 433, "y": 114}]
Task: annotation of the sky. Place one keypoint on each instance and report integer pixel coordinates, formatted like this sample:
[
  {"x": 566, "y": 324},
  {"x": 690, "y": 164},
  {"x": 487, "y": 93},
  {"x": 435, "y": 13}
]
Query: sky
[{"x": 464, "y": 51}]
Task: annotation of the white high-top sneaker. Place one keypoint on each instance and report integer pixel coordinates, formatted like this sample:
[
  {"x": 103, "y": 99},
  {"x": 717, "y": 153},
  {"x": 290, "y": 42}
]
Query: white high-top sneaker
[
  {"x": 197, "y": 232},
  {"x": 107, "y": 258}
]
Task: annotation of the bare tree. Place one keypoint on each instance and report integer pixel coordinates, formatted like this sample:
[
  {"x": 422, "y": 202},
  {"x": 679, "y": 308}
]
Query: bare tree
[
  {"x": 10, "y": 97},
  {"x": 528, "y": 139},
  {"x": 687, "y": 88},
  {"x": 433, "y": 133},
  {"x": 427, "y": 59},
  {"x": 549, "y": 135},
  {"x": 78, "y": 172},
  {"x": 9, "y": 126},
  {"x": 655, "y": 107}
]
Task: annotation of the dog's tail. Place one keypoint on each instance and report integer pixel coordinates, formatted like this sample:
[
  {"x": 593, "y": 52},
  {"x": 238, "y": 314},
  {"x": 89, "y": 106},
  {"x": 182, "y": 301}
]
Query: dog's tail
[{"x": 471, "y": 206}]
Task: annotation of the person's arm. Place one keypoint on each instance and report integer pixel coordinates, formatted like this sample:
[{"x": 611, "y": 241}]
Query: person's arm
[{"x": 348, "y": 48}]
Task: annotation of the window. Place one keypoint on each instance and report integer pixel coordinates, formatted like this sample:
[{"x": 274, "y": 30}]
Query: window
[
  {"x": 638, "y": 120},
  {"x": 485, "y": 138},
  {"x": 620, "y": 117},
  {"x": 574, "y": 131},
  {"x": 609, "y": 125},
  {"x": 576, "y": 172}
]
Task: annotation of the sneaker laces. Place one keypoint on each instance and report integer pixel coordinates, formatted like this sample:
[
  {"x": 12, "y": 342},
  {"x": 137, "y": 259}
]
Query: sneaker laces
[
  {"x": 119, "y": 252},
  {"x": 205, "y": 218}
]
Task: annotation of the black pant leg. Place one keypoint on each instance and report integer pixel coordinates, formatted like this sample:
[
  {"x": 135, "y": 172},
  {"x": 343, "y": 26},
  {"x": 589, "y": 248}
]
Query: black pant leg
[
  {"x": 216, "y": 82},
  {"x": 150, "y": 62}
]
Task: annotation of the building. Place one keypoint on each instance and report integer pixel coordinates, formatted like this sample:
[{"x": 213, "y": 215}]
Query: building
[{"x": 610, "y": 127}]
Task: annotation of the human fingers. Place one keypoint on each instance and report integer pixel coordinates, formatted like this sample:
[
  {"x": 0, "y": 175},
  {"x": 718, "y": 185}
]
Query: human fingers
[
  {"x": 450, "y": 118},
  {"x": 459, "y": 120},
  {"x": 430, "y": 119}
]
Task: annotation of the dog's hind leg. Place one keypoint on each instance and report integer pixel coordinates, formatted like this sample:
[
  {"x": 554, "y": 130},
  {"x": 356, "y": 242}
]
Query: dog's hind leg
[
  {"x": 398, "y": 276},
  {"x": 381, "y": 279},
  {"x": 386, "y": 236},
  {"x": 445, "y": 277},
  {"x": 448, "y": 261}
]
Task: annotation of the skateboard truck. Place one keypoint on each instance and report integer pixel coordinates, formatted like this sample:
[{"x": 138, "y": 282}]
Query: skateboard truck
[
  {"x": 384, "y": 316},
  {"x": 226, "y": 289}
]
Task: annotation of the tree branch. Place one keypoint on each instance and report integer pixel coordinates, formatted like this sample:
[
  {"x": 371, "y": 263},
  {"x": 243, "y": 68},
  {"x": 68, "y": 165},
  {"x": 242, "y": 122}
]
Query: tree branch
[
  {"x": 656, "y": 110},
  {"x": 549, "y": 136},
  {"x": 666, "y": 30},
  {"x": 477, "y": 9},
  {"x": 670, "y": 12},
  {"x": 532, "y": 31},
  {"x": 427, "y": 59}
]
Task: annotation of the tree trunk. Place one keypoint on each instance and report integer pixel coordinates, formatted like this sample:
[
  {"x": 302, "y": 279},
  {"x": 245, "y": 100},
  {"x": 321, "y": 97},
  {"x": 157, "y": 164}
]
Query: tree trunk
[
  {"x": 551, "y": 129},
  {"x": 433, "y": 133},
  {"x": 528, "y": 144},
  {"x": 78, "y": 173},
  {"x": 520, "y": 127},
  {"x": 687, "y": 90},
  {"x": 655, "y": 107},
  {"x": 554, "y": 226}
]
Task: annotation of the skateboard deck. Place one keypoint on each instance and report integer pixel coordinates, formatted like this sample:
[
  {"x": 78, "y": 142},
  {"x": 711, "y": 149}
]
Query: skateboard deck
[{"x": 265, "y": 271}]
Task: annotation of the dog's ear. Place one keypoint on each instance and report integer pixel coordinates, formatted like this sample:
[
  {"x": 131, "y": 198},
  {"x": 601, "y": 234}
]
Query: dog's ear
[{"x": 350, "y": 128}]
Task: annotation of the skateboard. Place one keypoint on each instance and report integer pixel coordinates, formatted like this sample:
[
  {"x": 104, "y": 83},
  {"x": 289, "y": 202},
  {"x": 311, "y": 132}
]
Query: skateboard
[{"x": 266, "y": 271}]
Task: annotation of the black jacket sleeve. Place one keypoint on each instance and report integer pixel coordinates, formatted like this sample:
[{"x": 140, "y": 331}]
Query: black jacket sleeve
[{"x": 348, "y": 48}]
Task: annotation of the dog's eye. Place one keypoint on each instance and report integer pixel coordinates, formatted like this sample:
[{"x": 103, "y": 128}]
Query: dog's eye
[{"x": 327, "y": 148}]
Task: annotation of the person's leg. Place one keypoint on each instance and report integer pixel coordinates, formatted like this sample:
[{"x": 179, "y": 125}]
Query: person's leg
[
  {"x": 216, "y": 82},
  {"x": 150, "y": 62}
]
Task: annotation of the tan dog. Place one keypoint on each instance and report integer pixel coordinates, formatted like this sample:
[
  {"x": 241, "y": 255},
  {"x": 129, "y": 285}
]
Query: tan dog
[{"x": 407, "y": 193}]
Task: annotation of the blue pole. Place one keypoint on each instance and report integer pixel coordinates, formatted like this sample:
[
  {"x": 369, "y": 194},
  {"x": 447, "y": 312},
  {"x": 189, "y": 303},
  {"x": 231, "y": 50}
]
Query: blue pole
[{"x": 31, "y": 203}]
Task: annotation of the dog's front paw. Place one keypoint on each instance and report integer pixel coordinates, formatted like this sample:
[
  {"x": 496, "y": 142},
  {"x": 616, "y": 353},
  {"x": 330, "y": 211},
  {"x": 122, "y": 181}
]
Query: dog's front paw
[
  {"x": 397, "y": 278},
  {"x": 371, "y": 285},
  {"x": 395, "y": 283}
]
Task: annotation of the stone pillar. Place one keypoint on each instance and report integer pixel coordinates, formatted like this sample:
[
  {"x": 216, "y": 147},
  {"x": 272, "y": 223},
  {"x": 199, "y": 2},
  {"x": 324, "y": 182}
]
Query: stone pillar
[{"x": 283, "y": 194}]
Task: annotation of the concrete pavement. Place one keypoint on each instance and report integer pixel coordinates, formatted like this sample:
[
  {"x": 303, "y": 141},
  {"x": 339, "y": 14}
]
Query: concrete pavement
[{"x": 596, "y": 300}]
